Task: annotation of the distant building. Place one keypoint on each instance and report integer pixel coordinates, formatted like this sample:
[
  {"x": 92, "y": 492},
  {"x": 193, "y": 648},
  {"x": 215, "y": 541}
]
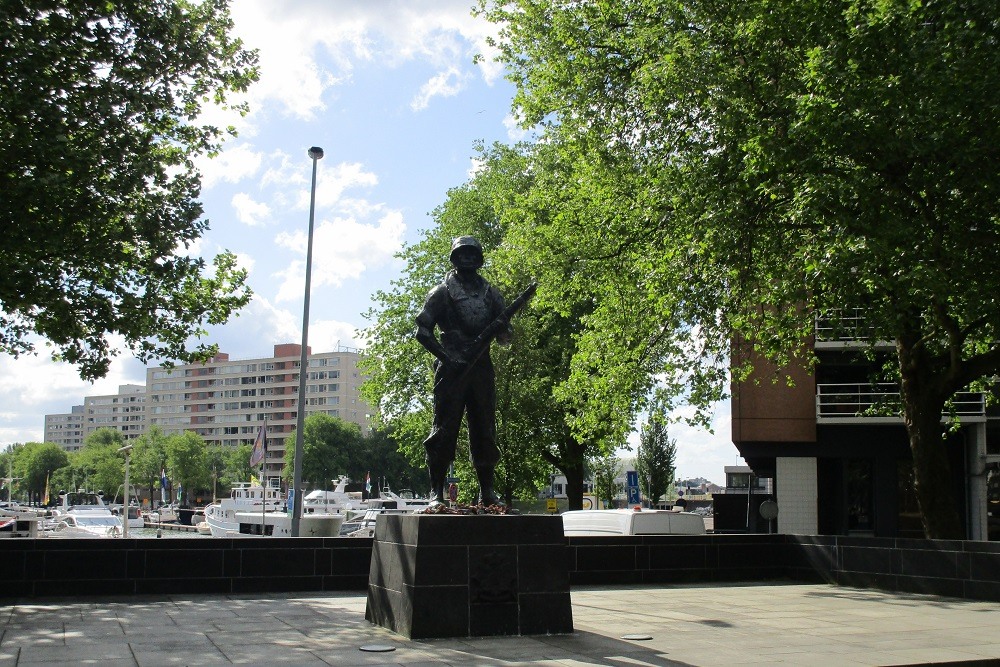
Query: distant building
[
  {"x": 66, "y": 430},
  {"x": 224, "y": 401},
  {"x": 125, "y": 411}
]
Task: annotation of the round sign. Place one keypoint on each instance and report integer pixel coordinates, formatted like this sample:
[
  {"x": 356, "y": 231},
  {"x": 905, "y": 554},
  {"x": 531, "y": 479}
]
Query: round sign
[{"x": 769, "y": 510}]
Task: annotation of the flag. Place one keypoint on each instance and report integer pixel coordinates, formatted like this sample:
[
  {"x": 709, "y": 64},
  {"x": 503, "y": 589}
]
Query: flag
[
  {"x": 368, "y": 483},
  {"x": 46, "y": 501},
  {"x": 259, "y": 446},
  {"x": 163, "y": 485}
]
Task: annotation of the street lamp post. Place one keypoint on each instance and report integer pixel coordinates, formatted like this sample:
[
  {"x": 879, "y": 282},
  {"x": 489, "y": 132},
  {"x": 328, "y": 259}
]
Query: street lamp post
[
  {"x": 127, "y": 449},
  {"x": 316, "y": 154}
]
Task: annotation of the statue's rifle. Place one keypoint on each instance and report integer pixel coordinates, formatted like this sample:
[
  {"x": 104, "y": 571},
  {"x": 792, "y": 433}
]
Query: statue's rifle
[{"x": 482, "y": 342}]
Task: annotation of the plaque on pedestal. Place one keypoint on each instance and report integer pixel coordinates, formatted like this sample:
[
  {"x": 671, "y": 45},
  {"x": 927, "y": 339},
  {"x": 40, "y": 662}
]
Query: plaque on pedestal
[{"x": 441, "y": 575}]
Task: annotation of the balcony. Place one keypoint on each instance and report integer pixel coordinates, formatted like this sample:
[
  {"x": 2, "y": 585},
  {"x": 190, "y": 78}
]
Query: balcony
[
  {"x": 847, "y": 330},
  {"x": 882, "y": 404}
]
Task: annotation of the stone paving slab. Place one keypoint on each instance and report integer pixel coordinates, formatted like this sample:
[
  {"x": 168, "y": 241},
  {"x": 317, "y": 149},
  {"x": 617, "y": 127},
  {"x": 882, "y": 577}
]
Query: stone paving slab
[{"x": 739, "y": 624}]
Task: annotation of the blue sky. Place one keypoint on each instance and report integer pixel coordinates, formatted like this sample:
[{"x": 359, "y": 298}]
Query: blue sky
[{"x": 389, "y": 89}]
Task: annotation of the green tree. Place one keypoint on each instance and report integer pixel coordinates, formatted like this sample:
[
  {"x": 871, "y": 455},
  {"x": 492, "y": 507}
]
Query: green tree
[
  {"x": 605, "y": 470},
  {"x": 187, "y": 463},
  {"x": 99, "y": 125},
  {"x": 35, "y": 464},
  {"x": 237, "y": 466},
  {"x": 743, "y": 166},
  {"x": 379, "y": 456},
  {"x": 328, "y": 446},
  {"x": 655, "y": 457},
  {"x": 149, "y": 459},
  {"x": 99, "y": 464},
  {"x": 7, "y": 477},
  {"x": 535, "y": 415}
]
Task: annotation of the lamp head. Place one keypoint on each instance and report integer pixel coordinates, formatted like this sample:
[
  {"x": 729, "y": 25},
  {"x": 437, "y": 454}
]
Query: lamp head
[{"x": 315, "y": 152}]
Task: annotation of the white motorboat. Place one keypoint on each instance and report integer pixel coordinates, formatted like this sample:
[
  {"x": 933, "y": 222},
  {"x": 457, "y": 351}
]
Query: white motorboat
[
  {"x": 279, "y": 524},
  {"x": 18, "y": 522},
  {"x": 247, "y": 497},
  {"x": 255, "y": 510},
  {"x": 364, "y": 526},
  {"x": 338, "y": 500},
  {"x": 84, "y": 514},
  {"x": 163, "y": 514},
  {"x": 354, "y": 504},
  {"x": 135, "y": 518}
]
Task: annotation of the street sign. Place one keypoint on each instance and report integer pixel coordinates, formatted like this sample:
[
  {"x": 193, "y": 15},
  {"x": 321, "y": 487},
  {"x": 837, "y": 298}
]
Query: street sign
[
  {"x": 633, "y": 495},
  {"x": 631, "y": 478},
  {"x": 550, "y": 505}
]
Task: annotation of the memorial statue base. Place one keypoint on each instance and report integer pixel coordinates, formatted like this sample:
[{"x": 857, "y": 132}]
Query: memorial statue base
[{"x": 439, "y": 575}]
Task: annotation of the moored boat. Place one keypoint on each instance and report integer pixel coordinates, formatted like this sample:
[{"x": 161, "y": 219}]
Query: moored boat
[{"x": 83, "y": 514}]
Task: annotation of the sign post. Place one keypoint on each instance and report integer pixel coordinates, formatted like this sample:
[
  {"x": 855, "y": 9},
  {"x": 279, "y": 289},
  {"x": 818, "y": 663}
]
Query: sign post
[{"x": 632, "y": 487}]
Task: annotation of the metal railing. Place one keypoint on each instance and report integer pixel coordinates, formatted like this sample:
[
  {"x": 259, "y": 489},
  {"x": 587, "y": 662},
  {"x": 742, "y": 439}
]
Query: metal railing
[{"x": 883, "y": 400}]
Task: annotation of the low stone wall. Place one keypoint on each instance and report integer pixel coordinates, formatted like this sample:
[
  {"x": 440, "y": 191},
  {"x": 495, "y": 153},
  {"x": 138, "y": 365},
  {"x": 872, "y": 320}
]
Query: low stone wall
[
  {"x": 939, "y": 567},
  {"x": 73, "y": 567}
]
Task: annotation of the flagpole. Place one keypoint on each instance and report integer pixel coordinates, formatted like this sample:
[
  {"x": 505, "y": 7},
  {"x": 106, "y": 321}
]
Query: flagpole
[{"x": 315, "y": 153}]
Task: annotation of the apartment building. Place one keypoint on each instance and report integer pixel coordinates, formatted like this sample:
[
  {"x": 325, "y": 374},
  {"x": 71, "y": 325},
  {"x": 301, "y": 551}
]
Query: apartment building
[
  {"x": 838, "y": 452},
  {"x": 66, "y": 430},
  {"x": 124, "y": 411},
  {"x": 226, "y": 401}
]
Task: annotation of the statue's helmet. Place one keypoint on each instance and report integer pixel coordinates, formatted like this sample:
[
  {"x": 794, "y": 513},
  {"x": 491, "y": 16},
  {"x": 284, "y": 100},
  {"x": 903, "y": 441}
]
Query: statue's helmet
[{"x": 467, "y": 242}]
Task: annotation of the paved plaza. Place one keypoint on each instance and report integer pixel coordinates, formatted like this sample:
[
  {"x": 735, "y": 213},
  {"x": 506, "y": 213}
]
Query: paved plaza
[{"x": 740, "y": 624}]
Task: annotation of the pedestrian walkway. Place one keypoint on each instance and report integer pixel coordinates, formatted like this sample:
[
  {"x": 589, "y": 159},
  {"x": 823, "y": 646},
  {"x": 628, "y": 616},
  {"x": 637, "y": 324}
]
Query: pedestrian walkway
[{"x": 742, "y": 624}]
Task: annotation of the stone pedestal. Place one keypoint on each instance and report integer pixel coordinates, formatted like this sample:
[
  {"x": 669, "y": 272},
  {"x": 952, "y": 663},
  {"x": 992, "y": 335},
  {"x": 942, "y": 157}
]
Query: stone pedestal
[{"x": 469, "y": 576}]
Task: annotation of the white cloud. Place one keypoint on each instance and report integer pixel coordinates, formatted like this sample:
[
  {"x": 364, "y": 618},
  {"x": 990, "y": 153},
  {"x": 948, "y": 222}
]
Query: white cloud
[
  {"x": 343, "y": 249},
  {"x": 699, "y": 452},
  {"x": 232, "y": 166},
  {"x": 245, "y": 261},
  {"x": 250, "y": 212},
  {"x": 328, "y": 335},
  {"x": 35, "y": 386},
  {"x": 444, "y": 84},
  {"x": 514, "y": 130},
  {"x": 440, "y": 33},
  {"x": 332, "y": 181}
]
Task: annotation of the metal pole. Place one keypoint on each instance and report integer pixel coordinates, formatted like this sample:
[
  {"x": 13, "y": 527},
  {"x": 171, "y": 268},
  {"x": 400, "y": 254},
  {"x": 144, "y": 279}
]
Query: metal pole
[
  {"x": 128, "y": 450},
  {"x": 315, "y": 153}
]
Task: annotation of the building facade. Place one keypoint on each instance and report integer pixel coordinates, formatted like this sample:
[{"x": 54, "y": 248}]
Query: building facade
[
  {"x": 226, "y": 401},
  {"x": 66, "y": 430},
  {"x": 836, "y": 447},
  {"x": 125, "y": 411}
]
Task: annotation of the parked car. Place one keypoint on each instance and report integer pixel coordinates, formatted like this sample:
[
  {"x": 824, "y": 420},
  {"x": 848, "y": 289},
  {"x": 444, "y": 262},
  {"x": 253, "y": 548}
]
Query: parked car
[{"x": 631, "y": 522}]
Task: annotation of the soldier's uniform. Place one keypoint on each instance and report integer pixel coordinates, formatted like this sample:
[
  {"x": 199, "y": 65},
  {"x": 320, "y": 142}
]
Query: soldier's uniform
[{"x": 461, "y": 310}]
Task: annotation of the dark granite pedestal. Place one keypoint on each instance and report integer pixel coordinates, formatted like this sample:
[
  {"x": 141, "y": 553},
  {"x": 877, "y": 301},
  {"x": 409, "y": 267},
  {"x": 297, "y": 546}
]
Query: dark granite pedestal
[{"x": 469, "y": 576}]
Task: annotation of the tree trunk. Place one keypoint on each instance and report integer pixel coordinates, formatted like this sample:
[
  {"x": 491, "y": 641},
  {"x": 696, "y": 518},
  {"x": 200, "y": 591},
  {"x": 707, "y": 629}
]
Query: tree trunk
[
  {"x": 923, "y": 403},
  {"x": 574, "y": 486}
]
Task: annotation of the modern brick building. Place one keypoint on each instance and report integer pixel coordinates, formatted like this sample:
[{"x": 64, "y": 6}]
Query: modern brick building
[
  {"x": 226, "y": 401},
  {"x": 838, "y": 451}
]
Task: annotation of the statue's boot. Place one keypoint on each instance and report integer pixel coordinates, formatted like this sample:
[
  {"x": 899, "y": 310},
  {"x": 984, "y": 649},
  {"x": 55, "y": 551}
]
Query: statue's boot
[
  {"x": 438, "y": 476},
  {"x": 487, "y": 496}
]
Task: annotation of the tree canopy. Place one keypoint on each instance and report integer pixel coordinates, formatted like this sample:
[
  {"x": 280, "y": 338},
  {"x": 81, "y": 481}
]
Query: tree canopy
[
  {"x": 540, "y": 423},
  {"x": 728, "y": 170},
  {"x": 99, "y": 126}
]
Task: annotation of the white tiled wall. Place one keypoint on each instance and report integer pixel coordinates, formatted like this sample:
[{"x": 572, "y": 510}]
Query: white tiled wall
[{"x": 795, "y": 479}]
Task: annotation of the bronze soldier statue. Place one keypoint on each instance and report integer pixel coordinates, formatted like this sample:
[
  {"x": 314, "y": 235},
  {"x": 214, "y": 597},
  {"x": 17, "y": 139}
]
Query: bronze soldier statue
[{"x": 469, "y": 312}]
